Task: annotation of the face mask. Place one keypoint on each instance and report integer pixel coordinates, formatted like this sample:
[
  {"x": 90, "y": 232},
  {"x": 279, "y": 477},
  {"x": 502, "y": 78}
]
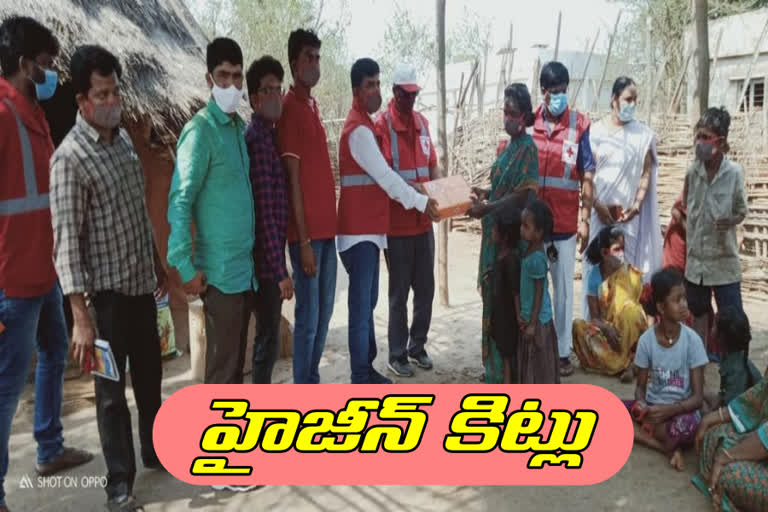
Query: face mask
[
  {"x": 405, "y": 102},
  {"x": 310, "y": 76},
  {"x": 373, "y": 103},
  {"x": 46, "y": 89},
  {"x": 627, "y": 112},
  {"x": 271, "y": 108},
  {"x": 620, "y": 256},
  {"x": 227, "y": 99},
  {"x": 513, "y": 127},
  {"x": 107, "y": 116},
  {"x": 558, "y": 103},
  {"x": 705, "y": 151}
]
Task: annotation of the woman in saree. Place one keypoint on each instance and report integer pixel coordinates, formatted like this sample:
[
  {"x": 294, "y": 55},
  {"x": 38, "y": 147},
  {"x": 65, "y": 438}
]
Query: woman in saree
[
  {"x": 514, "y": 178},
  {"x": 625, "y": 182},
  {"x": 606, "y": 343},
  {"x": 733, "y": 449}
]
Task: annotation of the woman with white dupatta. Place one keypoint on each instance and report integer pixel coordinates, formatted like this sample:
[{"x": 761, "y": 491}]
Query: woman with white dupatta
[{"x": 625, "y": 184}]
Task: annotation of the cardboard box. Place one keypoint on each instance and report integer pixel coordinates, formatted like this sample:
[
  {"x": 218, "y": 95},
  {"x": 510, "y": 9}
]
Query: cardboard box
[{"x": 452, "y": 195}]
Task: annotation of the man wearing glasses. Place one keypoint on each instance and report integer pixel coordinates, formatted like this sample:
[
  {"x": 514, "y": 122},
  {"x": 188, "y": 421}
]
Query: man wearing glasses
[
  {"x": 270, "y": 197},
  {"x": 566, "y": 169}
]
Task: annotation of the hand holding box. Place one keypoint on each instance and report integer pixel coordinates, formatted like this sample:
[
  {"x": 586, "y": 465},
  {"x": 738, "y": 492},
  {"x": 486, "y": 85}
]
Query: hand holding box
[{"x": 453, "y": 196}]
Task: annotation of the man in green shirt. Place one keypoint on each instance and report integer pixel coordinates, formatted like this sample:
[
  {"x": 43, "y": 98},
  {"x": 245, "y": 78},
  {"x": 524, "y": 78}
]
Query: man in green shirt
[{"x": 211, "y": 189}]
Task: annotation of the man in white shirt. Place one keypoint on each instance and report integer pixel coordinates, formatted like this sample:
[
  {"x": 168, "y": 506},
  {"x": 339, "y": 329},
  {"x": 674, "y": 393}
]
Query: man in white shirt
[{"x": 367, "y": 184}]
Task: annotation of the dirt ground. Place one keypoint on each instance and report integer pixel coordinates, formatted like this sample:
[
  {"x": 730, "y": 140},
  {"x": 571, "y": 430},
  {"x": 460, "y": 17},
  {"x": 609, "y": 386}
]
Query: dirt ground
[{"x": 645, "y": 483}]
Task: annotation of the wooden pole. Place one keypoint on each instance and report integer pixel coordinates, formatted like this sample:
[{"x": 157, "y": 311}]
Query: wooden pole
[
  {"x": 717, "y": 56},
  {"x": 535, "y": 81},
  {"x": 701, "y": 90},
  {"x": 605, "y": 65},
  {"x": 649, "y": 51},
  {"x": 673, "y": 104},
  {"x": 575, "y": 99},
  {"x": 765, "y": 118},
  {"x": 442, "y": 142},
  {"x": 511, "y": 61},
  {"x": 557, "y": 37},
  {"x": 481, "y": 97},
  {"x": 748, "y": 78}
]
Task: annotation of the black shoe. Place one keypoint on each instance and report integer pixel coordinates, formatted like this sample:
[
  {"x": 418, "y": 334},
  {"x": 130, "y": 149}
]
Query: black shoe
[
  {"x": 377, "y": 378},
  {"x": 400, "y": 368},
  {"x": 152, "y": 464},
  {"x": 422, "y": 360},
  {"x": 123, "y": 503}
]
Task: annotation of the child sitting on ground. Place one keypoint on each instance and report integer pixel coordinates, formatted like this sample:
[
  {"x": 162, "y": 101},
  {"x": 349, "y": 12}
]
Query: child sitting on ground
[
  {"x": 537, "y": 357},
  {"x": 737, "y": 372},
  {"x": 670, "y": 383},
  {"x": 505, "y": 329}
]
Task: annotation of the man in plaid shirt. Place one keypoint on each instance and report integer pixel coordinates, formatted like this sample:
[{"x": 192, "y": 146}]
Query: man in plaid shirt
[
  {"x": 104, "y": 248},
  {"x": 270, "y": 195}
]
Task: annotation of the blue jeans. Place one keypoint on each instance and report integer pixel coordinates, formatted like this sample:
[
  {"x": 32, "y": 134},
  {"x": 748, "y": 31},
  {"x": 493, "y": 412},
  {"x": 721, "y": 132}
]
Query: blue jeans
[
  {"x": 35, "y": 323},
  {"x": 315, "y": 297},
  {"x": 362, "y": 264}
]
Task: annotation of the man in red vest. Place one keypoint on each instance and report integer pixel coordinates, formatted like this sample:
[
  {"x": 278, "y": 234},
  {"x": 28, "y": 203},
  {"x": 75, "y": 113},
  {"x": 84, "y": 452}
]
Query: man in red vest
[
  {"x": 31, "y": 312},
  {"x": 566, "y": 169},
  {"x": 405, "y": 142},
  {"x": 367, "y": 185}
]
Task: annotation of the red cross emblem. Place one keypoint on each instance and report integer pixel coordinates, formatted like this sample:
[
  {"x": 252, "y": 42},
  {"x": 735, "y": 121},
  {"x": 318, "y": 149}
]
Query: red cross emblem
[{"x": 570, "y": 152}]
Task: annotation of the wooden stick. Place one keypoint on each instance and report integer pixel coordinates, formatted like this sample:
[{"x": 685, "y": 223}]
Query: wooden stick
[
  {"x": 442, "y": 140},
  {"x": 511, "y": 61},
  {"x": 607, "y": 59},
  {"x": 557, "y": 38},
  {"x": 575, "y": 99},
  {"x": 535, "y": 81},
  {"x": 673, "y": 104},
  {"x": 717, "y": 56},
  {"x": 749, "y": 74},
  {"x": 649, "y": 50},
  {"x": 765, "y": 116},
  {"x": 656, "y": 84}
]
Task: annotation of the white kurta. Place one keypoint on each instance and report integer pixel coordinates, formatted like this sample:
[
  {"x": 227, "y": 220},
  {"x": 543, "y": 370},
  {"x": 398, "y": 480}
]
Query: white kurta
[{"x": 619, "y": 157}]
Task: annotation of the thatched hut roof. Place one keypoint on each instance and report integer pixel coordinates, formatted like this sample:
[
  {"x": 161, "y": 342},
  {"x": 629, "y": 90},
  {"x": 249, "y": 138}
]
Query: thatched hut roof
[{"x": 159, "y": 44}]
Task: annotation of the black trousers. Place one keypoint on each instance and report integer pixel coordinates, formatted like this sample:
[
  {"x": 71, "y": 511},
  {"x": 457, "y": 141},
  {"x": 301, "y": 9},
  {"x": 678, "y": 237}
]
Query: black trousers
[
  {"x": 226, "y": 334},
  {"x": 129, "y": 324},
  {"x": 411, "y": 262},
  {"x": 268, "y": 309}
]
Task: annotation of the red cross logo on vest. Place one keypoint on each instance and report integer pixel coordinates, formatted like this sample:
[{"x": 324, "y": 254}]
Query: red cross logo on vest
[{"x": 570, "y": 152}]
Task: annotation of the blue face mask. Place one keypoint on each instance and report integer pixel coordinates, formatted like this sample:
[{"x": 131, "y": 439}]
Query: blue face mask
[
  {"x": 46, "y": 89},
  {"x": 558, "y": 103},
  {"x": 627, "y": 111}
]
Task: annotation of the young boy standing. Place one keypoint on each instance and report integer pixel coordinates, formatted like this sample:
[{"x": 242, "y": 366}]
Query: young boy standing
[{"x": 716, "y": 203}]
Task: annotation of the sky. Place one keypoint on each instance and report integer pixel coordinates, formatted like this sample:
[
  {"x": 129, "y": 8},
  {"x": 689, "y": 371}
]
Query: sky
[{"x": 535, "y": 21}]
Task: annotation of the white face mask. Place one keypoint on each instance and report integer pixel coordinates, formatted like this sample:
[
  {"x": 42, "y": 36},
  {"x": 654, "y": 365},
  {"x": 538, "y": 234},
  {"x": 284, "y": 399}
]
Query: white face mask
[
  {"x": 227, "y": 99},
  {"x": 627, "y": 111}
]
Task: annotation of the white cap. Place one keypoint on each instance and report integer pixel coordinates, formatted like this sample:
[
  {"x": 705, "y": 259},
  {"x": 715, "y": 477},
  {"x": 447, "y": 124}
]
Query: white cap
[{"x": 405, "y": 77}]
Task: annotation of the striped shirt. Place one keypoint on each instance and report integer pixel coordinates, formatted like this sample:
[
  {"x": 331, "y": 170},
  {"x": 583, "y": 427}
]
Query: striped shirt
[{"x": 101, "y": 229}]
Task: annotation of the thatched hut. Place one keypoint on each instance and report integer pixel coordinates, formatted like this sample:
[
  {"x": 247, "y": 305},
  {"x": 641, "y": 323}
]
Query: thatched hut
[{"x": 162, "y": 51}]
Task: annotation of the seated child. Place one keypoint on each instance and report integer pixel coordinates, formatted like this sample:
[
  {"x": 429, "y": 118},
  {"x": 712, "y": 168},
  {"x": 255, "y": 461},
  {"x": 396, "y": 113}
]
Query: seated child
[
  {"x": 737, "y": 372},
  {"x": 670, "y": 384}
]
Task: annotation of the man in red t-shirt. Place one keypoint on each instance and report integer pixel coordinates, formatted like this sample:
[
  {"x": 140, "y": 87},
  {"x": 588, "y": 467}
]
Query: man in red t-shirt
[
  {"x": 31, "y": 314},
  {"x": 303, "y": 149}
]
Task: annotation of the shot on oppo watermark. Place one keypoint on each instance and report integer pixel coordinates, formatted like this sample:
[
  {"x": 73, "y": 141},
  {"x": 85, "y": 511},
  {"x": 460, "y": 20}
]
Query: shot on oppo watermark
[{"x": 63, "y": 482}]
